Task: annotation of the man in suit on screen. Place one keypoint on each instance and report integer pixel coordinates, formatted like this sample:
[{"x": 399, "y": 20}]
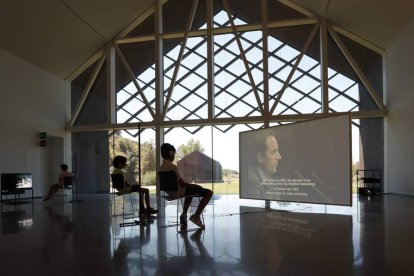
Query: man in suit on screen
[{"x": 267, "y": 158}]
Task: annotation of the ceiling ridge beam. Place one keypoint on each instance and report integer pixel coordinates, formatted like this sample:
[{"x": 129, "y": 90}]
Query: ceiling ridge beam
[
  {"x": 137, "y": 21},
  {"x": 358, "y": 39},
  {"x": 85, "y": 65},
  {"x": 83, "y": 20},
  {"x": 86, "y": 91},
  {"x": 298, "y": 8}
]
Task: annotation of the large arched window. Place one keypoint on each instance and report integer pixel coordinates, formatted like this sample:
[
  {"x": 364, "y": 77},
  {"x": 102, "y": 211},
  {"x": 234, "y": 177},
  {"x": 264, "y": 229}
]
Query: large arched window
[{"x": 230, "y": 65}]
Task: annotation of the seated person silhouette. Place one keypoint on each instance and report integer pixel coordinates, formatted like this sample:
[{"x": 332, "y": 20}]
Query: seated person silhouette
[
  {"x": 119, "y": 164},
  {"x": 185, "y": 189},
  {"x": 64, "y": 173}
]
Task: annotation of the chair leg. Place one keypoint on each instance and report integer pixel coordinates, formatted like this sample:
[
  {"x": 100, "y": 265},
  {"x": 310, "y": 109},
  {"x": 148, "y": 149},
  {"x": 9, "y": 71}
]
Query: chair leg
[
  {"x": 114, "y": 206},
  {"x": 123, "y": 207},
  {"x": 177, "y": 221},
  {"x": 132, "y": 203},
  {"x": 177, "y": 224},
  {"x": 113, "y": 203}
]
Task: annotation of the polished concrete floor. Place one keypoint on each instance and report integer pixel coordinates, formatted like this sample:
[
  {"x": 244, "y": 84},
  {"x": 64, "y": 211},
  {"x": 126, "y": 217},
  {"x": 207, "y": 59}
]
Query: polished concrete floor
[{"x": 373, "y": 237}]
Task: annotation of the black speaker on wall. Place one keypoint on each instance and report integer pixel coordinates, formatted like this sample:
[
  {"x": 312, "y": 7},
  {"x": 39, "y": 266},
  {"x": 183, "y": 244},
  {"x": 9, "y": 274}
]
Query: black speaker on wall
[{"x": 42, "y": 139}]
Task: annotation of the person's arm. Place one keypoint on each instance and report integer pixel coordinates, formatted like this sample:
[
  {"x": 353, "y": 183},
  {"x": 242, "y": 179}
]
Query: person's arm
[
  {"x": 121, "y": 172},
  {"x": 181, "y": 182},
  {"x": 125, "y": 179}
]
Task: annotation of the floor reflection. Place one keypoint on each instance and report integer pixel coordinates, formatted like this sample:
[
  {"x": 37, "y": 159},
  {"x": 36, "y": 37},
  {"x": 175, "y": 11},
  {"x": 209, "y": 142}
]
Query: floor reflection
[
  {"x": 278, "y": 240},
  {"x": 127, "y": 247},
  {"x": 241, "y": 238},
  {"x": 192, "y": 256},
  {"x": 372, "y": 240},
  {"x": 63, "y": 218},
  {"x": 16, "y": 218},
  {"x": 254, "y": 241}
]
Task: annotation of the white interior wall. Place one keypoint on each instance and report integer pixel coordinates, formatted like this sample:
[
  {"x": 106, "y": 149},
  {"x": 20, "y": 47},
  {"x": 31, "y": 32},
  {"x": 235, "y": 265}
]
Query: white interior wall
[
  {"x": 399, "y": 121},
  {"x": 53, "y": 154},
  {"x": 31, "y": 101}
]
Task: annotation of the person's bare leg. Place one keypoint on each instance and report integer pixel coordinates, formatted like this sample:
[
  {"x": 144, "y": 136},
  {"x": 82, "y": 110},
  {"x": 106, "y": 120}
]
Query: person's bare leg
[
  {"x": 183, "y": 217},
  {"x": 49, "y": 195},
  {"x": 187, "y": 203},
  {"x": 141, "y": 194},
  {"x": 146, "y": 195},
  {"x": 52, "y": 191},
  {"x": 203, "y": 203}
]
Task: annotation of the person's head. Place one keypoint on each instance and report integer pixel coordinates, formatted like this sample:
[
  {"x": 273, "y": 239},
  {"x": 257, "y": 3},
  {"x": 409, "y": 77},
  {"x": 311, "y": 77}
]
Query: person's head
[
  {"x": 268, "y": 155},
  {"x": 167, "y": 152},
  {"x": 64, "y": 167},
  {"x": 119, "y": 162}
]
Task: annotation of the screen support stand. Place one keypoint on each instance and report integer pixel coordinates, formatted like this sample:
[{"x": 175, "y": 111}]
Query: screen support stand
[
  {"x": 267, "y": 204},
  {"x": 75, "y": 182},
  {"x": 76, "y": 192}
]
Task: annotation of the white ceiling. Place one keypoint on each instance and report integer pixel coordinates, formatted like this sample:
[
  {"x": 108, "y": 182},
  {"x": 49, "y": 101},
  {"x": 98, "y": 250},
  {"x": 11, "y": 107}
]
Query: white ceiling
[
  {"x": 60, "y": 35},
  {"x": 377, "y": 21}
]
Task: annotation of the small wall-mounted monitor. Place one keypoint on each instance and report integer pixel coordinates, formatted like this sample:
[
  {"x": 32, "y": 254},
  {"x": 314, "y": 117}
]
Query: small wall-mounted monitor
[{"x": 12, "y": 182}]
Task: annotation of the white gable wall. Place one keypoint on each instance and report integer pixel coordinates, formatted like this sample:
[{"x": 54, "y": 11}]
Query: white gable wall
[
  {"x": 400, "y": 101},
  {"x": 31, "y": 101}
]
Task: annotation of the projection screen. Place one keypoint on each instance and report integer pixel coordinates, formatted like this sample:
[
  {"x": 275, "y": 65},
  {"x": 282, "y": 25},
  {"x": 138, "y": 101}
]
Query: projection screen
[{"x": 307, "y": 162}]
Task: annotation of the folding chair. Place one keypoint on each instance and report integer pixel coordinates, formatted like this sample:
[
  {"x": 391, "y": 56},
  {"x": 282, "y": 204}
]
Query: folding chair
[
  {"x": 118, "y": 181},
  {"x": 169, "y": 185},
  {"x": 68, "y": 184}
]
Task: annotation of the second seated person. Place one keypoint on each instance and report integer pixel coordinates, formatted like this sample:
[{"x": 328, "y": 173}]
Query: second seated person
[
  {"x": 64, "y": 173},
  {"x": 185, "y": 189},
  {"x": 119, "y": 164}
]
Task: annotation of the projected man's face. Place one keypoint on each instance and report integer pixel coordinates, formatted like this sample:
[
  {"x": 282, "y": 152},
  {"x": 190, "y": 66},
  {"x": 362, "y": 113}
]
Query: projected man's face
[{"x": 269, "y": 159}]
